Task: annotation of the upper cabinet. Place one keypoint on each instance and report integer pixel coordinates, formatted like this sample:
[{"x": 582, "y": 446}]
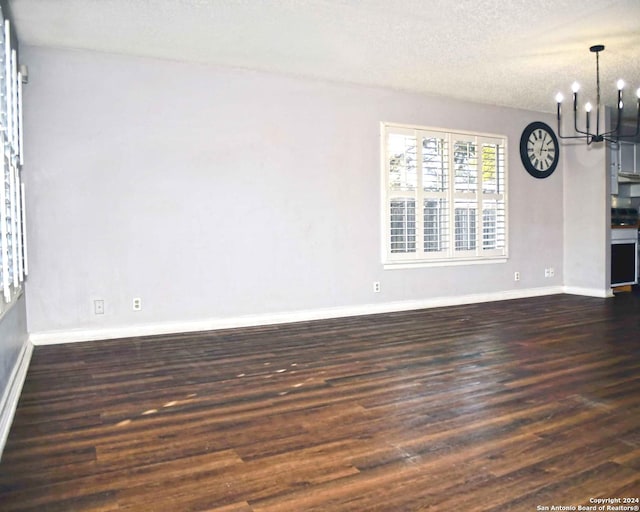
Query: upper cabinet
[
  {"x": 628, "y": 163},
  {"x": 625, "y": 169}
]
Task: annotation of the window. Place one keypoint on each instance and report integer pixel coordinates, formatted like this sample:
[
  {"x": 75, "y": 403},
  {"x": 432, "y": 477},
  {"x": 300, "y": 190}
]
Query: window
[
  {"x": 13, "y": 263},
  {"x": 444, "y": 196}
]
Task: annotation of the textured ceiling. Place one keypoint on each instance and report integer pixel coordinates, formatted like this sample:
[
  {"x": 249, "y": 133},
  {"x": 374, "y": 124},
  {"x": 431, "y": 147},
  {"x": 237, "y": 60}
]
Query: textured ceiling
[{"x": 513, "y": 53}]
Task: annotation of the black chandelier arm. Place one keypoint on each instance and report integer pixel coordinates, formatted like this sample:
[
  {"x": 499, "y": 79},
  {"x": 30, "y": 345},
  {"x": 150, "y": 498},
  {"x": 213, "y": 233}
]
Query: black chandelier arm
[
  {"x": 563, "y": 137},
  {"x": 559, "y": 116},
  {"x": 575, "y": 114},
  {"x": 575, "y": 126},
  {"x": 619, "y": 109},
  {"x": 637, "y": 131},
  {"x": 616, "y": 130},
  {"x": 619, "y": 116},
  {"x": 586, "y": 133},
  {"x": 560, "y": 136},
  {"x": 599, "y": 137},
  {"x": 560, "y": 128}
]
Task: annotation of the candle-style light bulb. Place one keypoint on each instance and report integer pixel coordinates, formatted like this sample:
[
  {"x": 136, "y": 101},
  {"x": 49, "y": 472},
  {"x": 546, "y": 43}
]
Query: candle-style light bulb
[
  {"x": 638, "y": 92},
  {"x": 620, "y": 84},
  {"x": 575, "y": 87},
  {"x": 560, "y": 97},
  {"x": 588, "y": 107}
]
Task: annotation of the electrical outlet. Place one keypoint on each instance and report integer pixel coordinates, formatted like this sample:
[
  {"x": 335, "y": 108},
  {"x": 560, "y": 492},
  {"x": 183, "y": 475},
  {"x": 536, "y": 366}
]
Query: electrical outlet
[
  {"x": 98, "y": 307},
  {"x": 552, "y": 272},
  {"x": 137, "y": 304},
  {"x": 376, "y": 286},
  {"x": 547, "y": 272},
  {"x": 516, "y": 276}
]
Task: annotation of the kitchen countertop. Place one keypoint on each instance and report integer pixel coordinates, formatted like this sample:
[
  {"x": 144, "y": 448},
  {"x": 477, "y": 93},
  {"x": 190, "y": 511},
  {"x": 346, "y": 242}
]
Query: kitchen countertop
[{"x": 626, "y": 226}]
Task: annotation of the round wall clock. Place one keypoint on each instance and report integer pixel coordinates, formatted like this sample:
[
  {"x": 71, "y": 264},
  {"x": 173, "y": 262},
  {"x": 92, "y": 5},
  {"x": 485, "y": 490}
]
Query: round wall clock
[{"x": 539, "y": 149}]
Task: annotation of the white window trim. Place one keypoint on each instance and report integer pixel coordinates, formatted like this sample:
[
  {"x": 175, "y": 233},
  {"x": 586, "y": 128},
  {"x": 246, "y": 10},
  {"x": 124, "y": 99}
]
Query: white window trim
[
  {"x": 13, "y": 248},
  {"x": 412, "y": 260}
]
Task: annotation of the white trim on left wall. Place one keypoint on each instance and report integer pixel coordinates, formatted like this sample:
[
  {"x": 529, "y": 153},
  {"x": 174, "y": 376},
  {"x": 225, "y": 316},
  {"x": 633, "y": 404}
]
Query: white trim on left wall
[{"x": 9, "y": 402}]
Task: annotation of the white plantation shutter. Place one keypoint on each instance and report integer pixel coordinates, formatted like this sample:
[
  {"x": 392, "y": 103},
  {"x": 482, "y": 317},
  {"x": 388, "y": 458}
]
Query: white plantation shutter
[
  {"x": 494, "y": 220},
  {"x": 402, "y": 188},
  {"x": 13, "y": 266},
  {"x": 435, "y": 197},
  {"x": 444, "y": 195}
]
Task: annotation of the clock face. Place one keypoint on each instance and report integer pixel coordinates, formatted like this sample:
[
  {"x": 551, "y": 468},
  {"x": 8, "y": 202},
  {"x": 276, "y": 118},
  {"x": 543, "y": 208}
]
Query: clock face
[{"x": 539, "y": 150}]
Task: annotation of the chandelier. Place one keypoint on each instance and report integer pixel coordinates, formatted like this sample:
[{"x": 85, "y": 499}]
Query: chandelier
[{"x": 613, "y": 135}]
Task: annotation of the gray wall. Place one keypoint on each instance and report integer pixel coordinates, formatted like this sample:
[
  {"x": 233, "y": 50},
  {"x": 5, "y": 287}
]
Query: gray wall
[
  {"x": 587, "y": 223},
  {"x": 13, "y": 336},
  {"x": 214, "y": 193},
  {"x": 587, "y": 203}
]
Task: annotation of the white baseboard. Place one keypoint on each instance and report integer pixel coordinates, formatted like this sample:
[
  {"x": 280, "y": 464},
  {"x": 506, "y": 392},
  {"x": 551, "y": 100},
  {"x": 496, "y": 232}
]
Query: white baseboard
[
  {"x": 12, "y": 392},
  {"x": 589, "y": 292},
  {"x": 80, "y": 335}
]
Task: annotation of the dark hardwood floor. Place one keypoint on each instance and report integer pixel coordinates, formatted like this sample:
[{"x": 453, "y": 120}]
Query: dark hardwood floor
[{"x": 505, "y": 406}]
